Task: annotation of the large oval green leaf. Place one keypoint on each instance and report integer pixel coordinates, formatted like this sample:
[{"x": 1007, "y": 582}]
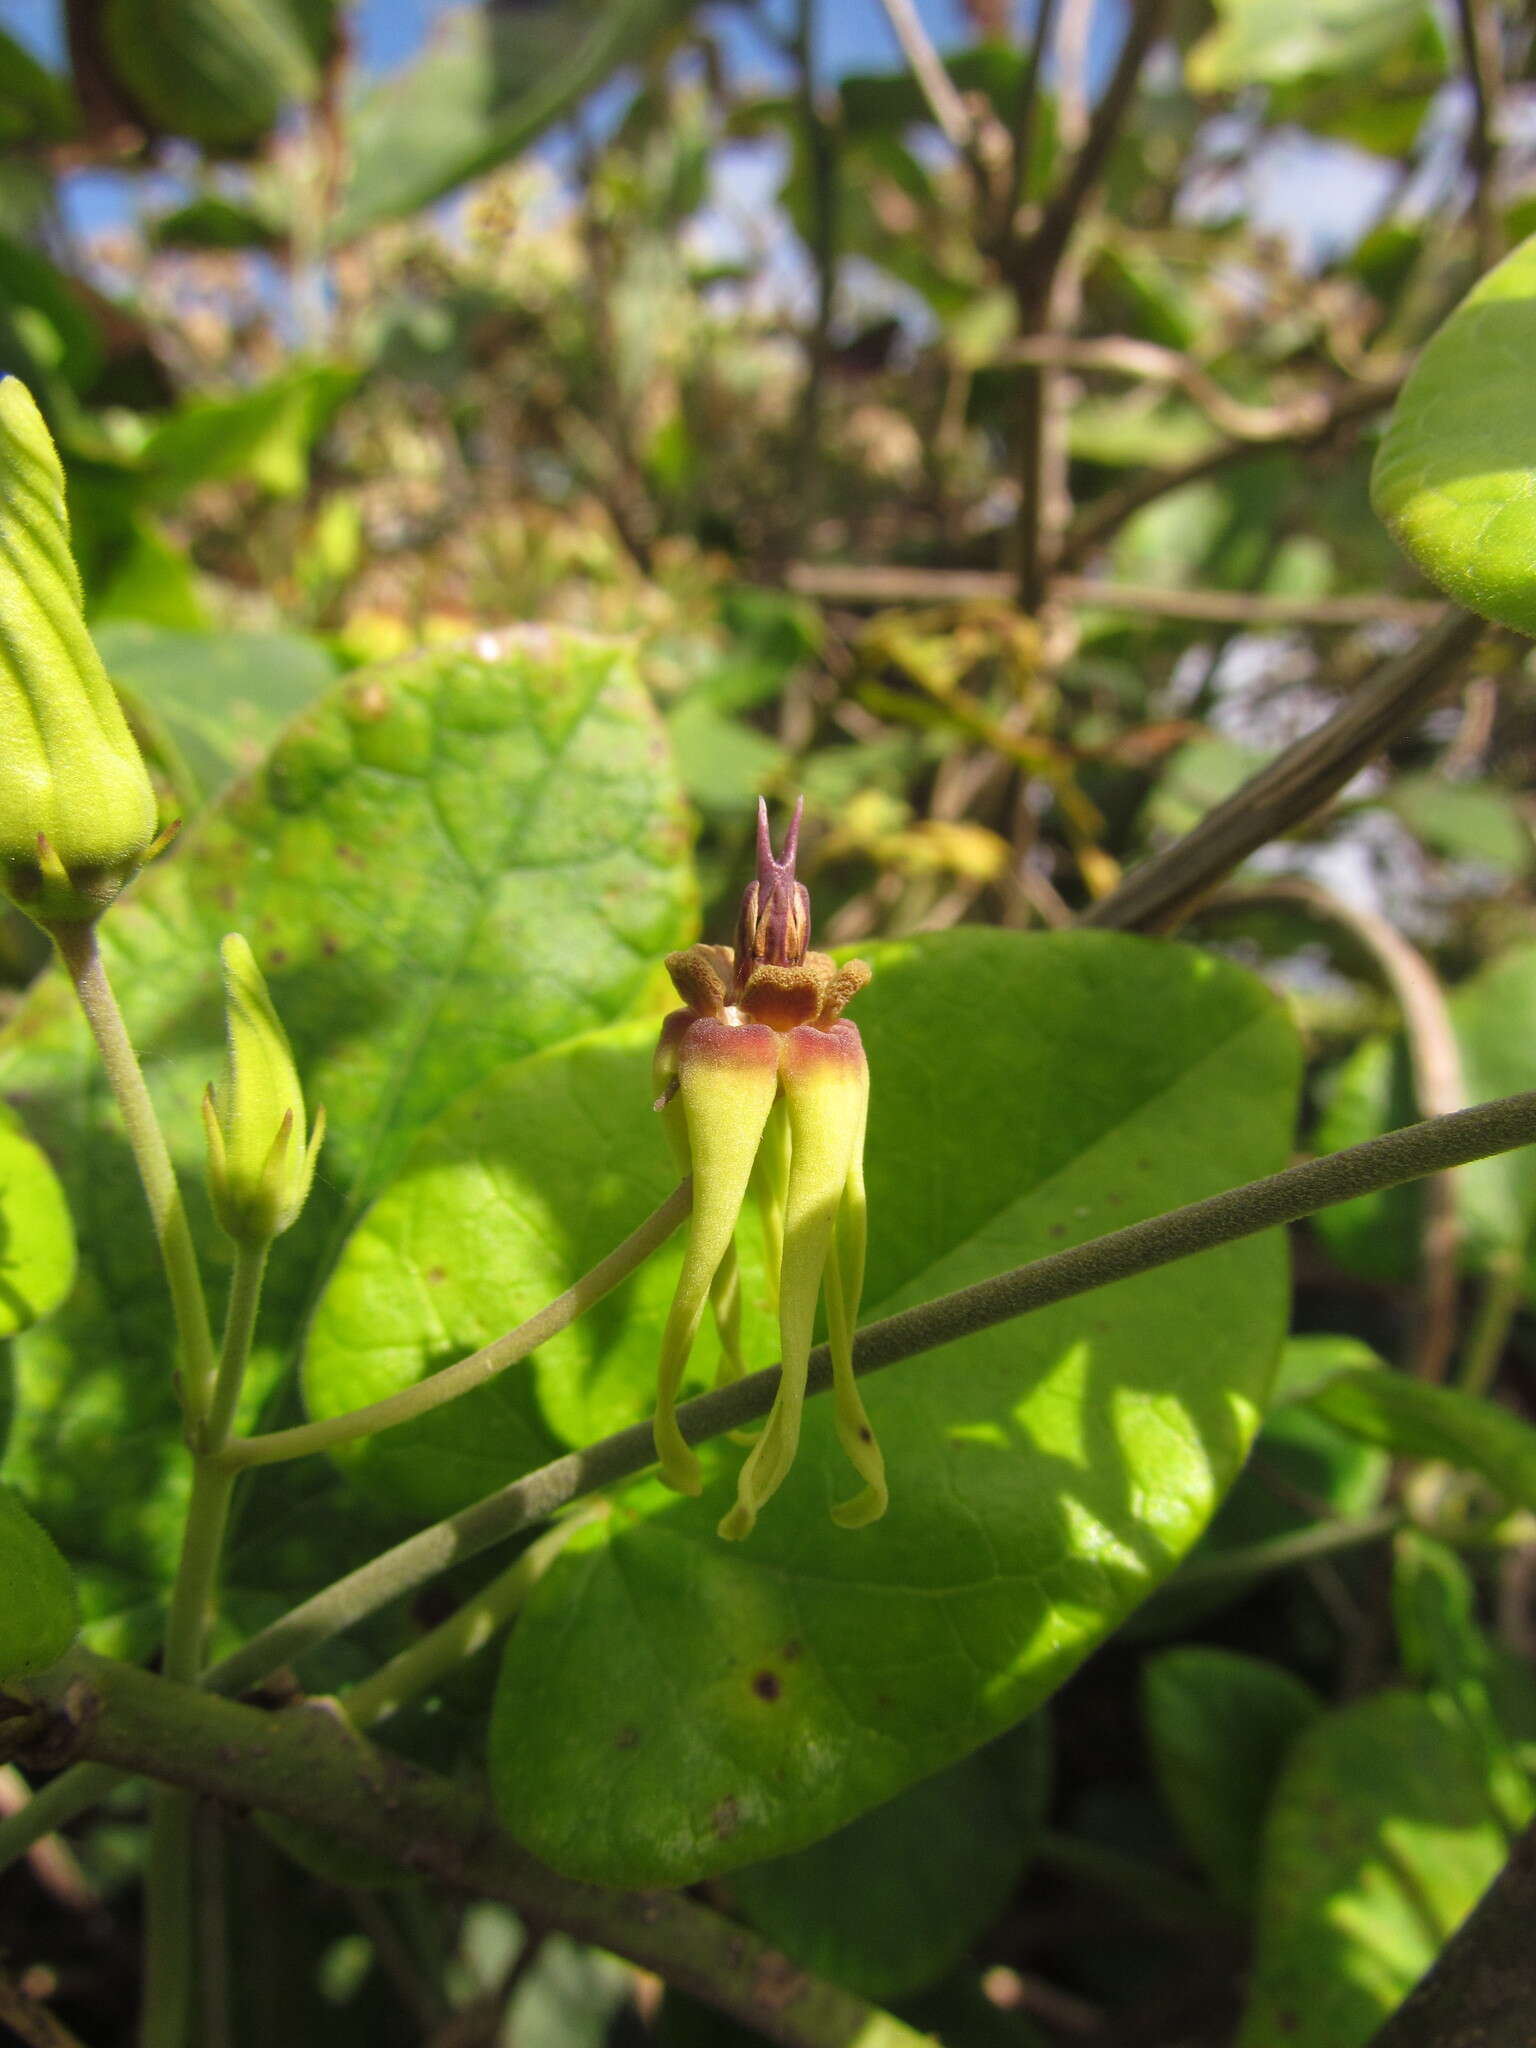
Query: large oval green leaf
[
  {"x": 1455, "y": 477},
  {"x": 38, "y": 1616},
  {"x": 1382, "y": 1835},
  {"x": 442, "y": 866},
  {"x": 672, "y": 1705}
]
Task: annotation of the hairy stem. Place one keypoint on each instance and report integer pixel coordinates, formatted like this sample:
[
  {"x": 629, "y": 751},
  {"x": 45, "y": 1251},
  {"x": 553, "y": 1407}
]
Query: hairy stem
[
  {"x": 82, "y": 960},
  {"x": 480, "y": 1366},
  {"x": 1384, "y": 1162},
  {"x": 308, "y": 1764},
  {"x": 1162, "y": 891}
]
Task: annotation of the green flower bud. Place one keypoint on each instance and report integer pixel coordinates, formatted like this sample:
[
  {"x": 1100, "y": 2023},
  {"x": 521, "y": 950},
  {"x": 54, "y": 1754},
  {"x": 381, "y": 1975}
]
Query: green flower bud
[
  {"x": 764, "y": 1085},
  {"x": 259, "y": 1167},
  {"x": 77, "y": 813}
]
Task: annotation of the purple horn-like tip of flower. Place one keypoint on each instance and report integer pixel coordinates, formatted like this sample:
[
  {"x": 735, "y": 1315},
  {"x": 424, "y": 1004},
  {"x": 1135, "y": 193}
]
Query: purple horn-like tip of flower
[{"x": 774, "y": 928}]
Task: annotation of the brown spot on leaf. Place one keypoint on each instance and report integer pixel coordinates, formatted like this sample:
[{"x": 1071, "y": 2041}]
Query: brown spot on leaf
[
  {"x": 767, "y": 1685},
  {"x": 726, "y": 1818},
  {"x": 626, "y": 1738},
  {"x": 436, "y": 1274}
]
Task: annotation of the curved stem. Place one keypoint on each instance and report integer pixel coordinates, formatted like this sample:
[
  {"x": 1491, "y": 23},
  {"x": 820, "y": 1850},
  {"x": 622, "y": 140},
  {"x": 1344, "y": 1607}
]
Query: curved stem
[
  {"x": 482, "y": 1365},
  {"x": 1480, "y": 1133},
  {"x": 83, "y": 962},
  {"x": 468, "y": 1629}
]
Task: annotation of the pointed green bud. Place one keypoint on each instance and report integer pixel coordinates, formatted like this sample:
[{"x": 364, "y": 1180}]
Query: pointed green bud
[
  {"x": 77, "y": 813},
  {"x": 259, "y": 1167}
]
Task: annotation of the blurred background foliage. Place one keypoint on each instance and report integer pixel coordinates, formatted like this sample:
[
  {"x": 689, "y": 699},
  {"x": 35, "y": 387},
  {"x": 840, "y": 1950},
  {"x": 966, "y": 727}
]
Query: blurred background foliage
[{"x": 967, "y": 413}]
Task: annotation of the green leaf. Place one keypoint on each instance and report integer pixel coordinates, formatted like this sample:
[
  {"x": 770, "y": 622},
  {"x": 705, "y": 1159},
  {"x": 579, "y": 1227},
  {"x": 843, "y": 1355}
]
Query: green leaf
[
  {"x": 1045, "y": 1476},
  {"x": 489, "y": 83},
  {"x": 442, "y": 865},
  {"x": 1416, "y": 1420},
  {"x": 1495, "y": 1018},
  {"x": 30, "y": 283},
  {"x": 1494, "y": 1015},
  {"x": 37, "y": 1240},
  {"x": 1455, "y": 476},
  {"x": 38, "y": 1615},
  {"x": 213, "y": 703},
  {"x": 1273, "y": 42},
  {"x": 214, "y": 221},
  {"x": 262, "y": 436},
  {"x": 723, "y": 763},
  {"x": 1433, "y": 1602},
  {"x": 1218, "y": 1727},
  {"x": 218, "y": 71},
  {"x": 35, "y": 104},
  {"x": 1464, "y": 820},
  {"x": 888, "y": 1904},
  {"x": 1380, "y": 1840}
]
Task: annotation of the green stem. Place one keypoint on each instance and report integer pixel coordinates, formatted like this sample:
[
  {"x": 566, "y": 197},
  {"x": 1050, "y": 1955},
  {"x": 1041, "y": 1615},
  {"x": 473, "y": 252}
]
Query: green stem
[
  {"x": 426, "y": 1663},
  {"x": 1157, "y": 1894},
  {"x": 1296, "y": 1546},
  {"x": 52, "y": 1807},
  {"x": 83, "y": 962},
  {"x": 308, "y": 1765},
  {"x": 482, "y": 1365},
  {"x": 1388, "y": 1161},
  {"x": 239, "y": 1329},
  {"x": 1503, "y": 1291},
  {"x": 174, "y": 1903},
  {"x": 170, "y": 1910}
]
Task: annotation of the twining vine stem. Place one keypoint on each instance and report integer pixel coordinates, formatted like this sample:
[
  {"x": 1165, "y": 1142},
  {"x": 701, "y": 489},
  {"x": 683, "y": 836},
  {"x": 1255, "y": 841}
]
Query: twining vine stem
[{"x": 1478, "y": 1133}]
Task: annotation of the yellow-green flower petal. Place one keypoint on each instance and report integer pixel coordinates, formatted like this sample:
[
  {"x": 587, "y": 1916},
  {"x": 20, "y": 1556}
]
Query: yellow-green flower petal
[
  {"x": 825, "y": 1083},
  {"x": 727, "y": 1076}
]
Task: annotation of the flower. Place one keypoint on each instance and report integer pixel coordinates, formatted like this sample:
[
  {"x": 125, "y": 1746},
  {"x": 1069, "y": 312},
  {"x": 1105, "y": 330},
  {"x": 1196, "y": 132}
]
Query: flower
[
  {"x": 77, "y": 812},
  {"x": 764, "y": 1086},
  {"x": 259, "y": 1168}
]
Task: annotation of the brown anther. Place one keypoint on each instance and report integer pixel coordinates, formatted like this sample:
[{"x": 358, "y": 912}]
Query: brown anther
[{"x": 700, "y": 977}]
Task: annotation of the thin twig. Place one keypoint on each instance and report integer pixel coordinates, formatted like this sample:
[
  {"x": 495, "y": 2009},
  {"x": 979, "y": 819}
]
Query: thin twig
[
  {"x": 1262, "y": 1205},
  {"x": 927, "y": 67},
  {"x": 872, "y": 584},
  {"x": 1109, "y": 512},
  {"x": 1045, "y": 246},
  {"x": 1027, "y": 104},
  {"x": 1480, "y": 44},
  {"x": 1149, "y": 362},
  {"x": 31, "y": 2023},
  {"x": 1164, "y": 890},
  {"x": 1438, "y": 1088}
]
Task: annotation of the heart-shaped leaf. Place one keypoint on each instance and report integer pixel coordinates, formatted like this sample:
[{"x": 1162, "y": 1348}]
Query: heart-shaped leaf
[
  {"x": 442, "y": 865},
  {"x": 1027, "y": 1093}
]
